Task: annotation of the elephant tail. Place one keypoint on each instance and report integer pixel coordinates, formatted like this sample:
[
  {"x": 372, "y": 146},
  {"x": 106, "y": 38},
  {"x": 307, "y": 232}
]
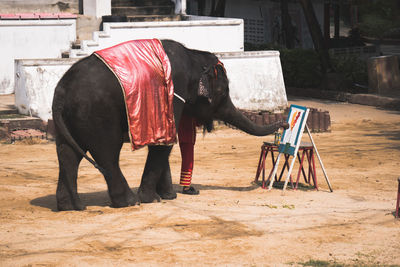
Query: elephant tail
[{"x": 62, "y": 129}]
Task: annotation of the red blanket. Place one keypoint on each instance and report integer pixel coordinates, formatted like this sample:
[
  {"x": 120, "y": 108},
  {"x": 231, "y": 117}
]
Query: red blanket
[{"x": 144, "y": 72}]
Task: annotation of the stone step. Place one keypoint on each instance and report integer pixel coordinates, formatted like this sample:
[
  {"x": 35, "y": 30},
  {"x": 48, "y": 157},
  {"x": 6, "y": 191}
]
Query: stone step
[
  {"x": 8, "y": 111},
  {"x": 76, "y": 45},
  {"x": 134, "y": 11},
  {"x": 126, "y": 3},
  {"x": 142, "y": 18},
  {"x": 18, "y": 121}
]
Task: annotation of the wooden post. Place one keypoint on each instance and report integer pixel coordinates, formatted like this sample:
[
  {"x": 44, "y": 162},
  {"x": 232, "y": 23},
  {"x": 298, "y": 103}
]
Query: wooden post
[
  {"x": 327, "y": 23},
  {"x": 336, "y": 19}
]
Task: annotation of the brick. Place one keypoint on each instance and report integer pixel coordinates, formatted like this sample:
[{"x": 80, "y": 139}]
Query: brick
[
  {"x": 9, "y": 16},
  {"x": 28, "y": 15}
]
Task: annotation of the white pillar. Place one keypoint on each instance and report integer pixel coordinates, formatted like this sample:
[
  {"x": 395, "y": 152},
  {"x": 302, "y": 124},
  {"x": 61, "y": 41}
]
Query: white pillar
[
  {"x": 97, "y": 8},
  {"x": 183, "y": 10},
  {"x": 180, "y": 6}
]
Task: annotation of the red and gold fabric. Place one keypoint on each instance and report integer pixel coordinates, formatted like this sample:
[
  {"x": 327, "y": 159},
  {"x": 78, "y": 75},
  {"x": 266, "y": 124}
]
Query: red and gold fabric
[{"x": 144, "y": 72}]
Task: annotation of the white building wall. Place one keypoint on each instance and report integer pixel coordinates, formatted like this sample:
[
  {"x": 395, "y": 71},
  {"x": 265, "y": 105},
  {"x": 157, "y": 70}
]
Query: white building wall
[
  {"x": 31, "y": 39},
  {"x": 29, "y": 6},
  {"x": 203, "y": 33}
]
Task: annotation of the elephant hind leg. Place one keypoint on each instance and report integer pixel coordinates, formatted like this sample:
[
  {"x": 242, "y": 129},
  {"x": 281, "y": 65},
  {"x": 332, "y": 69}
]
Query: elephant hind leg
[
  {"x": 107, "y": 156},
  {"x": 67, "y": 189}
]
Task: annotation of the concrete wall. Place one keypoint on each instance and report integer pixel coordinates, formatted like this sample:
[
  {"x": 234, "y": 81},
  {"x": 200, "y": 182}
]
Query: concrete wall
[
  {"x": 384, "y": 75},
  {"x": 203, "y": 33},
  {"x": 35, "y": 82},
  {"x": 255, "y": 80},
  {"x": 97, "y": 8},
  {"x": 31, "y": 39},
  {"x": 30, "y": 6}
]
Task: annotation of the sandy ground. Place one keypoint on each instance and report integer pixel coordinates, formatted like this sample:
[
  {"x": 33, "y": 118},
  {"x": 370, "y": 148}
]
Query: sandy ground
[{"x": 232, "y": 221}]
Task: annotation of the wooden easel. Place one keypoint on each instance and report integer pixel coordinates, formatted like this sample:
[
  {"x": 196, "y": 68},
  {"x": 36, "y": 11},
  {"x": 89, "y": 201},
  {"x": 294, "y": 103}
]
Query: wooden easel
[{"x": 304, "y": 126}]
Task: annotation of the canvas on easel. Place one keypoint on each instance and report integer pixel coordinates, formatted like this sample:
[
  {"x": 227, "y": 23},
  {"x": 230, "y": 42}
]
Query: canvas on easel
[{"x": 291, "y": 138}]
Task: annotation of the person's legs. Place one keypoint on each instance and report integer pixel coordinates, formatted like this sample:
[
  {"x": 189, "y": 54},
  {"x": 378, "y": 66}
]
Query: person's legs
[
  {"x": 187, "y": 139},
  {"x": 187, "y": 153}
]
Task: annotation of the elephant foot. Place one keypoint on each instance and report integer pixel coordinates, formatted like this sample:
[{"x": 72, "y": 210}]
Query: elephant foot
[
  {"x": 167, "y": 195},
  {"x": 130, "y": 199},
  {"x": 166, "y": 192},
  {"x": 148, "y": 197},
  {"x": 66, "y": 204}
]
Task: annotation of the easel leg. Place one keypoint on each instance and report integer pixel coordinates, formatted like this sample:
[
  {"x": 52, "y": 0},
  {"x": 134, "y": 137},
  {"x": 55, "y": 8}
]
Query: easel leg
[
  {"x": 263, "y": 167},
  {"x": 300, "y": 162},
  {"x": 289, "y": 172},
  {"x": 319, "y": 158},
  {"x": 259, "y": 163},
  {"x": 300, "y": 168},
  {"x": 314, "y": 173},
  {"x": 273, "y": 162},
  {"x": 398, "y": 200},
  {"x": 271, "y": 182},
  {"x": 285, "y": 165}
]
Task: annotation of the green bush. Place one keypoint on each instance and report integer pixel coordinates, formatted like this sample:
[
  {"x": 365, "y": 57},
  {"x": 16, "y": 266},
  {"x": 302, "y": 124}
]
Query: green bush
[
  {"x": 302, "y": 68},
  {"x": 353, "y": 69}
]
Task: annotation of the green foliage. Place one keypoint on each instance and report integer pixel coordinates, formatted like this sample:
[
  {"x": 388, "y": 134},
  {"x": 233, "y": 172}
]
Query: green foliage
[
  {"x": 373, "y": 25},
  {"x": 353, "y": 69},
  {"x": 301, "y": 67},
  {"x": 378, "y": 18}
]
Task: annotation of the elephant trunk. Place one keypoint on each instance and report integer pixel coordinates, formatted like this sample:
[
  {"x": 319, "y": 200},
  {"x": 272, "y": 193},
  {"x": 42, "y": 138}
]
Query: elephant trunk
[{"x": 230, "y": 114}]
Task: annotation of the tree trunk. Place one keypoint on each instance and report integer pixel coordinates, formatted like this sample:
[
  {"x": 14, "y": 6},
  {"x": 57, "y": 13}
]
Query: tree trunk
[
  {"x": 218, "y": 8},
  {"x": 316, "y": 35},
  {"x": 336, "y": 18},
  {"x": 201, "y": 6},
  {"x": 287, "y": 25},
  {"x": 327, "y": 23}
]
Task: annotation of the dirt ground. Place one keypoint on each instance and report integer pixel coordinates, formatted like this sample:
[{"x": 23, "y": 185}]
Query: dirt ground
[{"x": 232, "y": 221}]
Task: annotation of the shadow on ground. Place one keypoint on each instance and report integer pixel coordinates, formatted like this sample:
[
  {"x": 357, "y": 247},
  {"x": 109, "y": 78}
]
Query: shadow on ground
[
  {"x": 89, "y": 199},
  {"x": 101, "y": 198}
]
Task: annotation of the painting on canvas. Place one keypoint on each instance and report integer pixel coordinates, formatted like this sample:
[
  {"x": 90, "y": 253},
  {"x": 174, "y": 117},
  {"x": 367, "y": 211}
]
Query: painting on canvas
[{"x": 291, "y": 137}]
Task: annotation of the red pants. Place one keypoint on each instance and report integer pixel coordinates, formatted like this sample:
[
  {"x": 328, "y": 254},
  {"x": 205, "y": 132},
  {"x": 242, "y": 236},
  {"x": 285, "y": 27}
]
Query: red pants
[{"x": 187, "y": 139}]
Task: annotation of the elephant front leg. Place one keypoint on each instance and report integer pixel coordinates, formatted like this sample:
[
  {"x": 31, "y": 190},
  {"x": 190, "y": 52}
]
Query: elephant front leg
[{"x": 155, "y": 168}]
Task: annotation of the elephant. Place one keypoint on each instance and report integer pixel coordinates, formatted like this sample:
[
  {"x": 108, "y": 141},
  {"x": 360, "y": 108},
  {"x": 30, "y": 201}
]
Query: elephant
[{"x": 89, "y": 115}]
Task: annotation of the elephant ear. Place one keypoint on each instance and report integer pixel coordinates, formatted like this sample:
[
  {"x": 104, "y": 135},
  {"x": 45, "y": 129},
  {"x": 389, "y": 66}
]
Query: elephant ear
[{"x": 204, "y": 85}]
